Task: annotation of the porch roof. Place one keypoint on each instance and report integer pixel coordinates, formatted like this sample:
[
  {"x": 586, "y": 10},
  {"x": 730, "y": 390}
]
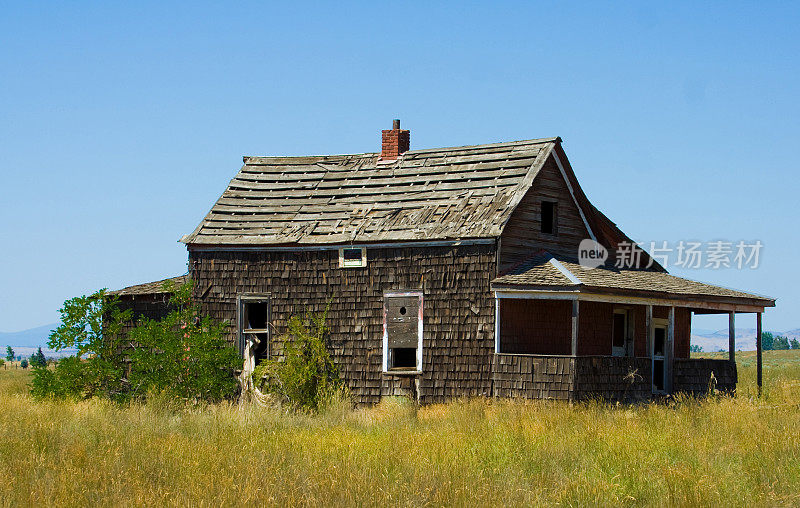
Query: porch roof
[
  {"x": 546, "y": 272},
  {"x": 150, "y": 288}
]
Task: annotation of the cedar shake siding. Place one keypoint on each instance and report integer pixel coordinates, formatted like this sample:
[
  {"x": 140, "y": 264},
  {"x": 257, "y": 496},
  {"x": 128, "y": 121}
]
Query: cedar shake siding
[
  {"x": 458, "y": 308},
  {"x": 150, "y": 300}
]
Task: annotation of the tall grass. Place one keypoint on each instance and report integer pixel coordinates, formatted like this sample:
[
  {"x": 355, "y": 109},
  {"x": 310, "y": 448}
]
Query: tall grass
[{"x": 740, "y": 451}]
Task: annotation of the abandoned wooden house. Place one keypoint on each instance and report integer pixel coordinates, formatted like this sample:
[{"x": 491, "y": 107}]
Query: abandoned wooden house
[{"x": 450, "y": 272}]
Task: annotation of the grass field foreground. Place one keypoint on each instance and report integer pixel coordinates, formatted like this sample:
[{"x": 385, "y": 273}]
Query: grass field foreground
[{"x": 720, "y": 451}]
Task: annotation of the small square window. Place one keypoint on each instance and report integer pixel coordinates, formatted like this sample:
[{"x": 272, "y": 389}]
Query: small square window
[{"x": 352, "y": 257}]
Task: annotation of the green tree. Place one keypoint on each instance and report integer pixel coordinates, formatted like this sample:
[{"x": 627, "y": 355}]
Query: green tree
[
  {"x": 184, "y": 355},
  {"x": 767, "y": 340},
  {"x": 306, "y": 376},
  {"x": 780, "y": 342},
  {"x": 91, "y": 324},
  {"x": 9, "y": 354},
  {"x": 795, "y": 344},
  {"x": 694, "y": 348},
  {"x": 23, "y": 363},
  {"x": 38, "y": 359}
]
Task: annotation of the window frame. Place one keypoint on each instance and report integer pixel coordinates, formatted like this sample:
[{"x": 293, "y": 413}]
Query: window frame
[
  {"x": 661, "y": 324},
  {"x": 420, "y": 328},
  {"x": 343, "y": 263},
  {"x": 242, "y": 300},
  {"x": 629, "y": 333}
]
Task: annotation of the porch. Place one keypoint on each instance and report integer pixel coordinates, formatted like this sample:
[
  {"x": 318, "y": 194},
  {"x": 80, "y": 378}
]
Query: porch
[
  {"x": 626, "y": 379},
  {"x": 563, "y": 331}
]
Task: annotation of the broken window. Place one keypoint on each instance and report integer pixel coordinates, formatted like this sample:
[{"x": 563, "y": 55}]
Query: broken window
[
  {"x": 549, "y": 217},
  {"x": 254, "y": 318},
  {"x": 402, "y": 331}
]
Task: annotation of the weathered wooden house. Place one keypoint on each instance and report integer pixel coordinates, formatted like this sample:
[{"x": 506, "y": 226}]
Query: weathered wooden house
[{"x": 450, "y": 272}]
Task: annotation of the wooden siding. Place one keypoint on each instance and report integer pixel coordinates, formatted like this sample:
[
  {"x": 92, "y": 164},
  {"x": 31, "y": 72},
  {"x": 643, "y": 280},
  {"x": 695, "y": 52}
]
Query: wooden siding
[
  {"x": 541, "y": 327},
  {"x": 458, "y": 319},
  {"x": 533, "y": 377},
  {"x": 624, "y": 379},
  {"x": 150, "y": 306},
  {"x": 522, "y": 236},
  {"x": 693, "y": 376},
  {"x": 683, "y": 332},
  {"x": 595, "y": 321}
]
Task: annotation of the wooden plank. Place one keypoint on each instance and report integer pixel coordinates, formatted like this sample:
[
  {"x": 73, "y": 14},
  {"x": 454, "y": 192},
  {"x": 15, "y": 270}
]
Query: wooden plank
[
  {"x": 670, "y": 349},
  {"x": 758, "y": 352},
  {"x": 649, "y": 329},
  {"x": 329, "y": 188},
  {"x": 575, "y": 308},
  {"x": 337, "y": 173},
  {"x": 732, "y": 337}
]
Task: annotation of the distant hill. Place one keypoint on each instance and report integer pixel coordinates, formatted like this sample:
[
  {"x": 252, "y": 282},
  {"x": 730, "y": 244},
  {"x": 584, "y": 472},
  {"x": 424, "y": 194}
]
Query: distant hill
[
  {"x": 34, "y": 337},
  {"x": 26, "y": 342},
  {"x": 745, "y": 338}
]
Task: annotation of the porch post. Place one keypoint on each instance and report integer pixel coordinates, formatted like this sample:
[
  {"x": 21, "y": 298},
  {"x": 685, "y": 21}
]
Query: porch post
[
  {"x": 496, "y": 325},
  {"x": 649, "y": 329},
  {"x": 758, "y": 351},
  {"x": 732, "y": 337},
  {"x": 575, "y": 308},
  {"x": 670, "y": 348}
]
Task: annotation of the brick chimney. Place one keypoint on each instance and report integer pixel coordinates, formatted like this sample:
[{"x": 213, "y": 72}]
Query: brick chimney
[{"x": 394, "y": 142}]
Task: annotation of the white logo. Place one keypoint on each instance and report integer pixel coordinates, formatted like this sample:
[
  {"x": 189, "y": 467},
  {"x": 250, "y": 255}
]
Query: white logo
[{"x": 591, "y": 254}]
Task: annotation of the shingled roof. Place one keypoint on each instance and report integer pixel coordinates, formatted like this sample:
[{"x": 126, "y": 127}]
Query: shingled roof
[
  {"x": 545, "y": 271},
  {"x": 150, "y": 288},
  {"x": 466, "y": 192}
]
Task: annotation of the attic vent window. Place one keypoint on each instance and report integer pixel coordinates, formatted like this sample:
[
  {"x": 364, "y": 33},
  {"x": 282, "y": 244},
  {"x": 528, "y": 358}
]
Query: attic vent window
[
  {"x": 549, "y": 218},
  {"x": 352, "y": 257}
]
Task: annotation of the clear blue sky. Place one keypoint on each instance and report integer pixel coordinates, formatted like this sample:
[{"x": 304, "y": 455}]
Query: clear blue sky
[{"x": 121, "y": 123}]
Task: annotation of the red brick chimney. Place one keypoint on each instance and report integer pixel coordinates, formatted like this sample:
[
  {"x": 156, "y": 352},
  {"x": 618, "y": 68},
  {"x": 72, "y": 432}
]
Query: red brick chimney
[{"x": 394, "y": 142}]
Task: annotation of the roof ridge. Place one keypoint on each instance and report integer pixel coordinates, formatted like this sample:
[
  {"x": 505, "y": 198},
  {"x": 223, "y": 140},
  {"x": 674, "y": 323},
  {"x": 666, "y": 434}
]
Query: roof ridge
[
  {"x": 564, "y": 270},
  {"x": 535, "y": 141}
]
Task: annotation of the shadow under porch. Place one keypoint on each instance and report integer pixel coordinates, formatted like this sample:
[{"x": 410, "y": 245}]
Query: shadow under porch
[{"x": 574, "y": 350}]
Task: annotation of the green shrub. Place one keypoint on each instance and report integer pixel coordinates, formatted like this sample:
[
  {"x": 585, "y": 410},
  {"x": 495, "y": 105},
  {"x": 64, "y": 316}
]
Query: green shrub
[
  {"x": 91, "y": 324},
  {"x": 184, "y": 355},
  {"x": 70, "y": 377},
  {"x": 306, "y": 377}
]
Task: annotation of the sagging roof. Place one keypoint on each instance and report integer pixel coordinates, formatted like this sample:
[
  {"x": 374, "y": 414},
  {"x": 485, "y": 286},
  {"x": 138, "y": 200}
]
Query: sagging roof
[
  {"x": 440, "y": 194},
  {"x": 150, "y": 288},
  {"x": 547, "y": 272}
]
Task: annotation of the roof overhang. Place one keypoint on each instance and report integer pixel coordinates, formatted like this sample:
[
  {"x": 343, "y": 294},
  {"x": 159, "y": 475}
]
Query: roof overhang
[{"x": 704, "y": 304}]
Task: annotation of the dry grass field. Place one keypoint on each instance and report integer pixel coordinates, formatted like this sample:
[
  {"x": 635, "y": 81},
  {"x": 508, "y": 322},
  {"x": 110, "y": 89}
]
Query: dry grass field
[{"x": 739, "y": 451}]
